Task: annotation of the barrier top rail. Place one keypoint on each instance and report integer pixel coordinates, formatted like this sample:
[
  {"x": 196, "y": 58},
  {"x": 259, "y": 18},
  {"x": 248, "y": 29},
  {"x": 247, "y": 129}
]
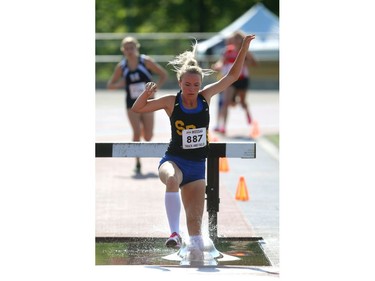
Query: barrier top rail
[{"x": 157, "y": 149}]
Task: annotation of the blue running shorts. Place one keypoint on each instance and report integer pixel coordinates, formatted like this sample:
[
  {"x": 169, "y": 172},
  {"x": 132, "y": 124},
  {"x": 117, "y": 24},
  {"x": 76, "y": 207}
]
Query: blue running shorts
[{"x": 191, "y": 170}]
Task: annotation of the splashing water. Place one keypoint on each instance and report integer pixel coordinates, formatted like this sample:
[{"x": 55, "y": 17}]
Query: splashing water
[{"x": 191, "y": 255}]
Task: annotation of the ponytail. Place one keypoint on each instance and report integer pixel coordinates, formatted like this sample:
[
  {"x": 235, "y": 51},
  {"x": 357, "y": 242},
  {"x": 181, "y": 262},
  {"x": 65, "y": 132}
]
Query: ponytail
[{"x": 186, "y": 62}]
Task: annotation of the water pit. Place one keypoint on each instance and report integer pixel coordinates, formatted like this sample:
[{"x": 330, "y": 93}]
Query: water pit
[{"x": 151, "y": 251}]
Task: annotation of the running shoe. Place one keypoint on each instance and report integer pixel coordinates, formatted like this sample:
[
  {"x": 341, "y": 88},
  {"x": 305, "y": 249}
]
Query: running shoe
[
  {"x": 174, "y": 241},
  {"x": 220, "y": 130}
]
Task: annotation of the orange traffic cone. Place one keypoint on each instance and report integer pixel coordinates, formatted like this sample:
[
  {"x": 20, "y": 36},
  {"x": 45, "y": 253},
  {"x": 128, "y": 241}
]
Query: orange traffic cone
[
  {"x": 255, "y": 132},
  {"x": 241, "y": 193},
  {"x": 223, "y": 164}
]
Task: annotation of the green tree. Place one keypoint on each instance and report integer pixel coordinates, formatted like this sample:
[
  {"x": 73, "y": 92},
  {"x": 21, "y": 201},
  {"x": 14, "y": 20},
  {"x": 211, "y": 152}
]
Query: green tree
[{"x": 171, "y": 15}]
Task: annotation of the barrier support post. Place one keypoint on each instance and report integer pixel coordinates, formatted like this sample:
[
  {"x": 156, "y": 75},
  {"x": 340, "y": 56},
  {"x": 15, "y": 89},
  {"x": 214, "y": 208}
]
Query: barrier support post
[{"x": 213, "y": 199}]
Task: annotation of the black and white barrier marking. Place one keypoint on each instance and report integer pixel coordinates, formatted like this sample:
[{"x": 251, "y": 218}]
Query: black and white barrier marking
[{"x": 157, "y": 149}]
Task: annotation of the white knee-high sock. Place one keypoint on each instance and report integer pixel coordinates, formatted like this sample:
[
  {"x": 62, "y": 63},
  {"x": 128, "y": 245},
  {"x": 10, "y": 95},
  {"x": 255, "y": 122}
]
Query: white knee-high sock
[{"x": 173, "y": 208}]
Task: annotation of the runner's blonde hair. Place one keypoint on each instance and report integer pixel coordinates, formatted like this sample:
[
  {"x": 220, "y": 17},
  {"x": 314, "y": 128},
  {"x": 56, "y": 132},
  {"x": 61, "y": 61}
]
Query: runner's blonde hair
[
  {"x": 129, "y": 39},
  {"x": 187, "y": 63}
]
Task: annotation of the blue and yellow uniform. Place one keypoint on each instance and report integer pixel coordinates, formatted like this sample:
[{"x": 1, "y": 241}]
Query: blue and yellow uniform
[
  {"x": 135, "y": 80},
  {"x": 188, "y": 147}
]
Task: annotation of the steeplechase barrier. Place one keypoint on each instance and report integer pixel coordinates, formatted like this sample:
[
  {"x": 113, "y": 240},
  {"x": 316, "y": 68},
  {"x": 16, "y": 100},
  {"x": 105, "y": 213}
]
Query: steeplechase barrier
[{"x": 244, "y": 150}]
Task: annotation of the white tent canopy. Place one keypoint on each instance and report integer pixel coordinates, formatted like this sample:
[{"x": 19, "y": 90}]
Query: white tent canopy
[{"x": 259, "y": 21}]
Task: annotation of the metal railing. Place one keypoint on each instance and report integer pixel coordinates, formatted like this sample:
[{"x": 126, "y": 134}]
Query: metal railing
[
  {"x": 153, "y": 36},
  {"x": 173, "y": 36}
]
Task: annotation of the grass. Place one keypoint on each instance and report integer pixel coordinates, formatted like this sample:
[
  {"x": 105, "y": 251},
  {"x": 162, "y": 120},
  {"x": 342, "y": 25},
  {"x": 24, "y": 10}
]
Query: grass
[{"x": 274, "y": 139}]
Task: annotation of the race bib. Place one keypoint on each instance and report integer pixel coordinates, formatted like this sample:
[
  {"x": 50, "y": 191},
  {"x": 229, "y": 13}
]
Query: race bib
[
  {"x": 136, "y": 89},
  {"x": 194, "y": 138}
]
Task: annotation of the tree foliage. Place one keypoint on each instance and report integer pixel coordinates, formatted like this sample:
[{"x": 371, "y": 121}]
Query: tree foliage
[{"x": 121, "y": 16}]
